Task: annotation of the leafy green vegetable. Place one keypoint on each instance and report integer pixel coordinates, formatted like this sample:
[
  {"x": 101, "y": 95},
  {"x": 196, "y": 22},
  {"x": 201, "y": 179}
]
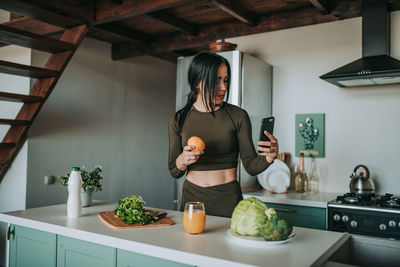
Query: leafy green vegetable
[
  {"x": 249, "y": 217},
  {"x": 131, "y": 210},
  {"x": 276, "y": 229},
  {"x": 90, "y": 179}
]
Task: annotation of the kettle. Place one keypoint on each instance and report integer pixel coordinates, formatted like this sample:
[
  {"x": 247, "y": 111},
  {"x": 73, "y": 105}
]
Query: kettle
[{"x": 360, "y": 184}]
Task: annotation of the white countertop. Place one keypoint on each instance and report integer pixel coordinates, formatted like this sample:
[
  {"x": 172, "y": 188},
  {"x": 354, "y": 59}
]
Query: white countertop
[
  {"x": 212, "y": 248},
  {"x": 317, "y": 200}
]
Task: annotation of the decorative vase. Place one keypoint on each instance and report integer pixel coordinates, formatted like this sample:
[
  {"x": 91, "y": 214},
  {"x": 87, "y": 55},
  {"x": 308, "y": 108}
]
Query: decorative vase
[{"x": 86, "y": 197}]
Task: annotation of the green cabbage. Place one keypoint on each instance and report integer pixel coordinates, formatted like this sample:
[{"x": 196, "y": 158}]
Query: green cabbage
[{"x": 249, "y": 217}]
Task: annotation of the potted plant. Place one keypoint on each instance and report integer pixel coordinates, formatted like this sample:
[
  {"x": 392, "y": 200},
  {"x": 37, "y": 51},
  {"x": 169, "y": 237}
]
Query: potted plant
[{"x": 91, "y": 180}]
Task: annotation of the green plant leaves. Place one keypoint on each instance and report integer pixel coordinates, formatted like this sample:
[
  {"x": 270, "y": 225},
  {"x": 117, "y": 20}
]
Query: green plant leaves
[
  {"x": 131, "y": 210},
  {"x": 90, "y": 179}
]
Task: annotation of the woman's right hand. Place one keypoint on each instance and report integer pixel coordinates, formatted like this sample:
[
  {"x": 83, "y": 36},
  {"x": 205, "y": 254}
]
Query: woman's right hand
[{"x": 187, "y": 157}]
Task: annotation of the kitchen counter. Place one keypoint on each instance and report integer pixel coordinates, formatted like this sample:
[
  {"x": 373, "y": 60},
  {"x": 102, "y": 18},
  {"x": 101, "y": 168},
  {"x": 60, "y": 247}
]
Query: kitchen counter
[
  {"x": 212, "y": 248},
  {"x": 317, "y": 200}
]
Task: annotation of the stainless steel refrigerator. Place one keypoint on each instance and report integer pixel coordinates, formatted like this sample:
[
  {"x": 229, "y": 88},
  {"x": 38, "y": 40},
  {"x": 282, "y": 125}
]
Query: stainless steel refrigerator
[{"x": 251, "y": 89}]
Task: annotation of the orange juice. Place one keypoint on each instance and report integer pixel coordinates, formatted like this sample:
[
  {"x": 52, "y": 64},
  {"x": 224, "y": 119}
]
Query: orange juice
[{"x": 194, "y": 221}]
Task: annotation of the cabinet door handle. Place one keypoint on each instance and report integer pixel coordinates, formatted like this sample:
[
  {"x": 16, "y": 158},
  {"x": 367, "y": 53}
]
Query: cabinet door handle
[
  {"x": 9, "y": 232},
  {"x": 285, "y": 210}
]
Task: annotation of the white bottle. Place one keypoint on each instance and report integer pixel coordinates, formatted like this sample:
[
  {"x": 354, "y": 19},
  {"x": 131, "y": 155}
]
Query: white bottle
[{"x": 74, "y": 203}]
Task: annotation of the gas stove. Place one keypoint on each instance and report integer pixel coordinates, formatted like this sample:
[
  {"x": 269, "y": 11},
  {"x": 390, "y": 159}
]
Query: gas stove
[{"x": 368, "y": 214}]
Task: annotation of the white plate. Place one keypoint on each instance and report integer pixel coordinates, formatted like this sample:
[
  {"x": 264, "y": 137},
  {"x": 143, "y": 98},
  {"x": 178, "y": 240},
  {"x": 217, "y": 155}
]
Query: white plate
[
  {"x": 281, "y": 165},
  {"x": 256, "y": 241},
  {"x": 261, "y": 179},
  {"x": 276, "y": 177},
  {"x": 278, "y": 181}
]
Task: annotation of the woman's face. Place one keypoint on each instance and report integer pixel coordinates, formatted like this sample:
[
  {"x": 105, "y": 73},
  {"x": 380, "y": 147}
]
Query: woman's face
[
  {"x": 222, "y": 84},
  {"x": 221, "y": 87}
]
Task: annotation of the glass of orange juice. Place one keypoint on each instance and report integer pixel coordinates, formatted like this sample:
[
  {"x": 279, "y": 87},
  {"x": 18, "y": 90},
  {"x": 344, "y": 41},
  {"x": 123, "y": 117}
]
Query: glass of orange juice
[{"x": 194, "y": 217}]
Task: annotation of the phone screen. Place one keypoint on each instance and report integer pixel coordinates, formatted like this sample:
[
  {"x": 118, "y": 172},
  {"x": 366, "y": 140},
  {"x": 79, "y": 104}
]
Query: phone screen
[{"x": 267, "y": 124}]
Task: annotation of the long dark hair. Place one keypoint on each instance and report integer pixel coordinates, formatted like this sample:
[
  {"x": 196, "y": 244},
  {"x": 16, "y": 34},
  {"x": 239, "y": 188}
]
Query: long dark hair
[{"x": 204, "y": 68}]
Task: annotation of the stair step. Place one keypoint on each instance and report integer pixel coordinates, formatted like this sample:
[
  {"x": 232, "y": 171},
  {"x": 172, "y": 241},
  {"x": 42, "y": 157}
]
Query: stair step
[
  {"x": 14, "y": 122},
  {"x": 19, "y": 98},
  {"x": 25, "y": 70},
  {"x": 15, "y": 36},
  {"x": 56, "y": 64},
  {"x": 7, "y": 145}
]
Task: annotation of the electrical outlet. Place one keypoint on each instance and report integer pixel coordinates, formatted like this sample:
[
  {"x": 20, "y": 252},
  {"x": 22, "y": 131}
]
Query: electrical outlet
[{"x": 49, "y": 179}]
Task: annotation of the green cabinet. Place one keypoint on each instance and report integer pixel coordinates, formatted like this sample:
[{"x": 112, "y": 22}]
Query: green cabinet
[
  {"x": 32, "y": 248},
  {"x": 309, "y": 217},
  {"x": 77, "y": 253},
  {"x": 131, "y": 259}
]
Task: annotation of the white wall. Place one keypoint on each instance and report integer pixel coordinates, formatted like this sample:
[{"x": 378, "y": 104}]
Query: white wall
[
  {"x": 362, "y": 124},
  {"x": 112, "y": 113},
  {"x": 13, "y": 185}
]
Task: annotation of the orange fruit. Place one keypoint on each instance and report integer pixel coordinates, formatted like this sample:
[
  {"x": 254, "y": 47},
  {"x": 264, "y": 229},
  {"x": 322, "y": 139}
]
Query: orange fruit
[{"x": 197, "y": 142}]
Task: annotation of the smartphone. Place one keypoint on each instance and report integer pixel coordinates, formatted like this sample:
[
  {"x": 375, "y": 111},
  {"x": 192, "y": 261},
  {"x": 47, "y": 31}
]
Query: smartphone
[{"x": 267, "y": 124}]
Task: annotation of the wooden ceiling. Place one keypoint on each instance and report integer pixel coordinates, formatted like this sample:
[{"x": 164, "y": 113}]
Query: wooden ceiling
[{"x": 171, "y": 28}]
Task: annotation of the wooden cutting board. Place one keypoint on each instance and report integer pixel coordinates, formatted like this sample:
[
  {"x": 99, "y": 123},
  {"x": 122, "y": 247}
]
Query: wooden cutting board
[{"x": 108, "y": 217}]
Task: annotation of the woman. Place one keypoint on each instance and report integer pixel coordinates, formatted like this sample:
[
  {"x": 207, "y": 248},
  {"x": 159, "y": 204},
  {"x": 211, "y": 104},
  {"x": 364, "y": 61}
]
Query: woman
[{"x": 226, "y": 131}]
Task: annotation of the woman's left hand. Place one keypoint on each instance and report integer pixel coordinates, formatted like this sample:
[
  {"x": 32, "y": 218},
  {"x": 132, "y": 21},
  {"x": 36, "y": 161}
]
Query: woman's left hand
[{"x": 269, "y": 149}]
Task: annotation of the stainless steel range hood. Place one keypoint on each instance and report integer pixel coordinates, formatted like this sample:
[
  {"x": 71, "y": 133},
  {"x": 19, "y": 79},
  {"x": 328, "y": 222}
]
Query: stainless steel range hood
[{"x": 376, "y": 66}]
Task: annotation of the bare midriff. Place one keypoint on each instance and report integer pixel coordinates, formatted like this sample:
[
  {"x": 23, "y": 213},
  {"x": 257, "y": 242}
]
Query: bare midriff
[{"x": 211, "y": 178}]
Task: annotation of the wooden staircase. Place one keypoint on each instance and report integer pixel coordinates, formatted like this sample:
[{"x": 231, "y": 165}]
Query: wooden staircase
[{"x": 61, "y": 53}]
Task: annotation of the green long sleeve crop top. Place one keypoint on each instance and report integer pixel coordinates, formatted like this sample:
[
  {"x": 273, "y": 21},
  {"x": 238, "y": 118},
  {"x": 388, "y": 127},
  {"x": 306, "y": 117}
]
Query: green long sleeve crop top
[{"x": 226, "y": 135}]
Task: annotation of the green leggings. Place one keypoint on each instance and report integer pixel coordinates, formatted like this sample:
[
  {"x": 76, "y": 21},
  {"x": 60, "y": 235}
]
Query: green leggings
[{"x": 219, "y": 200}]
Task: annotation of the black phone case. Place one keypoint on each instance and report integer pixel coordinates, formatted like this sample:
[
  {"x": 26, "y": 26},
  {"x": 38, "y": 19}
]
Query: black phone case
[{"x": 267, "y": 124}]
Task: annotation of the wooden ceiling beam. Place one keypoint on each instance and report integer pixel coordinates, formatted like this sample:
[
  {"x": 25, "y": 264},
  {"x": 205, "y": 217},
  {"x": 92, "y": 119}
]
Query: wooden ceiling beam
[
  {"x": 189, "y": 52},
  {"x": 171, "y": 56},
  {"x": 174, "y": 22},
  {"x": 107, "y": 11},
  {"x": 82, "y": 10},
  {"x": 168, "y": 56},
  {"x": 233, "y": 8},
  {"x": 129, "y": 49},
  {"x": 272, "y": 22},
  {"x": 124, "y": 32},
  {"x": 29, "y": 9},
  {"x": 322, "y": 5}
]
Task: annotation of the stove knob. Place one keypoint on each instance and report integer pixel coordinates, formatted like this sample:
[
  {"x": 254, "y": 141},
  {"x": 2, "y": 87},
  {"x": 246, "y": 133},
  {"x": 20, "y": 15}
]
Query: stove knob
[
  {"x": 392, "y": 223},
  {"x": 345, "y": 218},
  {"x": 382, "y": 227},
  {"x": 353, "y": 224},
  {"x": 336, "y": 217}
]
